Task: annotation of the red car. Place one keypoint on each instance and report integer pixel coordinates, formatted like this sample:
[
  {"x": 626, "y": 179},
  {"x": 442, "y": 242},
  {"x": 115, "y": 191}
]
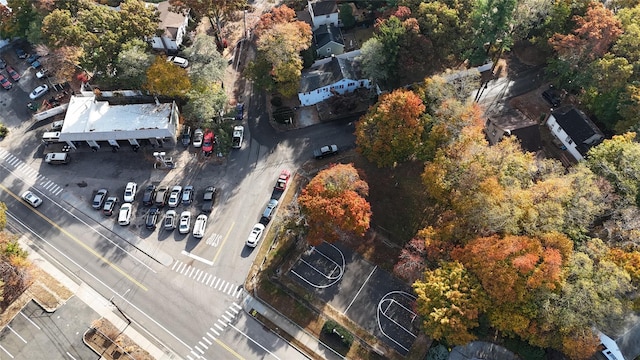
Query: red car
[
  {"x": 14, "y": 74},
  {"x": 283, "y": 180},
  {"x": 207, "y": 144},
  {"x": 5, "y": 82}
]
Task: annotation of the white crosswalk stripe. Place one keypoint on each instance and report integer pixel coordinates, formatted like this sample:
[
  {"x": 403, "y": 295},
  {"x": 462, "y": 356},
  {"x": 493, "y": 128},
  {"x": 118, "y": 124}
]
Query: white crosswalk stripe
[
  {"x": 25, "y": 169},
  {"x": 207, "y": 279}
]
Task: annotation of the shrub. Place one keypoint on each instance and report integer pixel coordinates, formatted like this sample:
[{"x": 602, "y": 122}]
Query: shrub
[
  {"x": 276, "y": 101},
  {"x": 332, "y": 327},
  {"x": 3, "y": 131}
]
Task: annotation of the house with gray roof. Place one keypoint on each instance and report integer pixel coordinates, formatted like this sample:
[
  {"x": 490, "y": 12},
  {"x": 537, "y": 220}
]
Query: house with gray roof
[
  {"x": 574, "y": 130},
  {"x": 328, "y": 41},
  {"x": 172, "y": 28},
  {"x": 337, "y": 75}
]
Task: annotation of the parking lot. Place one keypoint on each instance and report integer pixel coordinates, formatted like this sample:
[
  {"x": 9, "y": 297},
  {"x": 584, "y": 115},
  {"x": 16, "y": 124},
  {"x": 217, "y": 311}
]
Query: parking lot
[{"x": 369, "y": 296}]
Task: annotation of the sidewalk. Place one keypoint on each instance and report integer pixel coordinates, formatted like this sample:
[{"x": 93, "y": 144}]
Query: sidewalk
[
  {"x": 98, "y": 303},
  {"x": 309, "y": 341}
]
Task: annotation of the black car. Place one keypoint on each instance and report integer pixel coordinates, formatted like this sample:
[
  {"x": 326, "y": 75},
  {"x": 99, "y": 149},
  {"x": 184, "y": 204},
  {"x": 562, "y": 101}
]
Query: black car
[
  {"x": 109, "y": 205},
  {"x": 186, "y": 136},
  {"x": 552, "y": 96},
  {"x": 21, "y": 54},
  {"x": 209, "y": 199},
  {"x": 149, "y": 193},
  {"x": 2, "y": 64},
  {"x": 240, "y": 111},
  {"x": 152, "y": 218}
]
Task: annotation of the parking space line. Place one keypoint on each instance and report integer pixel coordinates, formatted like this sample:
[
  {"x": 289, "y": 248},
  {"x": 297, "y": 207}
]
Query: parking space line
[
  {"x": 5, "y": 350},
  {"x": 18, "y": 335},
  {"x": 29, "y": 320}
]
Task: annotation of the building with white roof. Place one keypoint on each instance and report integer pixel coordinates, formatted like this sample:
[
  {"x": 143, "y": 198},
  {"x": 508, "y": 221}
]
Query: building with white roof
[{"x": 90, "y": 120}]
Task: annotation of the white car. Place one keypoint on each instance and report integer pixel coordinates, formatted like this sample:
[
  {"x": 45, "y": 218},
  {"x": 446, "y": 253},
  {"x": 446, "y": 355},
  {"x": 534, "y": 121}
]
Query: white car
[
  {"x": 42, "y": 73},
  {"x": 177, "y": 60},
  {"x": 198, "y": 135},
  {"x": 170, "y": 220},
  {"x": 32, "y": 199},
  {"x": 256, "y": 234},
  {"x": 39, "y": 91},
  {"x": 200, "y": 226},
  {"x": 57, "y": 125},
  {"x": 130, "y": 192},
  {"x": 174, "y": 197},
  {"x": 185, "y": 222},
  {"x": 124, "y": 217},
  {"x": 238, "y": 136}
]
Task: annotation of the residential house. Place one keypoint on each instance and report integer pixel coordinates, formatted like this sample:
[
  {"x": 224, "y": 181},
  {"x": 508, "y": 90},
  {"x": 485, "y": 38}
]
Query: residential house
[
  {"x": 328, "y": 40},
  {"x": 336, "y": 75},
  {"x": 574, "y": 130},
  {"x": 323, "y": 12},
  {"x": 514, "y": 123},
  {"x": 172, "y": 28}
]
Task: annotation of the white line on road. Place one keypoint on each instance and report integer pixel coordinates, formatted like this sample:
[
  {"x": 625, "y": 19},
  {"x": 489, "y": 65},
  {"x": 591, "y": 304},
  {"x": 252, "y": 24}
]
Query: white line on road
[
  {"x": 207, "y": 279},
  {"x": 186, "y": 267},
  {"x": 192, "y": 270},
  {"x": 203, "y": 345},
  {"x": 18, "y": 335},
  {"x": 219, "y": 328},
  {"x": 226, "y": 319},
  {"x": 216, "y": 286},
  {"x": 255, "y": 342},
  {"x": 222, "y": 322},
  {"x": 230, "y": 314},
  {"x": 29, "y": 320},
  {"x": 207, "y": 340},
  {"x": 361, "y": 287},
  {"x": 71, "y": 356},
  {"x": 226, "y": 287},
  {"x": 196, "y": 257},
  {"x": 214, "y": 331},
  {"x": 197, "y": 348}
]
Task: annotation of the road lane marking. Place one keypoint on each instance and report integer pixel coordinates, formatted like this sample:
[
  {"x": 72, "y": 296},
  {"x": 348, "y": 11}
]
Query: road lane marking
[
  {"x": 207, "y": 340},
  {"x": 222, "y": 322},
  {"x": 253, "y": 341},
  {"x": 81, "y": 268},
  {"x": 223, "y": 242},
  {"x": 219, "y": 327},
  {"x": 226, "y": 318},
  {"x": 5, "y": 350},
  {"x": 203, "y": 345},
  {"x": 71, "y": 356},
  {"x": 83, "y": 245},
  {"x": 215, "y": 332},
  {"x": 230, "y": 350},
  {"x": 196, "y": 257}
]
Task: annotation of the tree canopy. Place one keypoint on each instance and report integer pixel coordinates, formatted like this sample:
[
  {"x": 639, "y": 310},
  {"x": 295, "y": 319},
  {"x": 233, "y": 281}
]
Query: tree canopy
[
  {"x": 334, "y": 204},
  {"x": 165, "y": 78}
]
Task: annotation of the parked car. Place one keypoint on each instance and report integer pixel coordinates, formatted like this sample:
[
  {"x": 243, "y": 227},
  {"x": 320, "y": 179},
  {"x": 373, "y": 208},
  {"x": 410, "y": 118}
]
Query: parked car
[
  {"x": 283, "y": 180},
  {"x": 124, "y": 217},
  {"x": 240, "y": 111},
  {"x": 187, "y": 195},
  {"x": 57, "y": 125},
  {"x": 197, "y": 138},
  {"x": 325, "y": 151},
  {"x": 31, "y": 198},
  {"x": 39, "y": 91},
  {"x": 98, "y": 199},
  {"x": 185, "y": 222},
  {"x": 42, "y": 73},
  {"x": 6, "y": 84},
  {"x": 255, "y": 235},
  {"x": 170, "y": 220},
  {"x": 552, "y": 96},
  {"x": 130, "y": 192},
  {"x": 207, "y": 145},
  {"x": 268, "y": 211},
  {"x": 200, "y": 226},
  {"x": 209, "y": 199},
  {"x": 32, "y": 58},
  {"x": 177, "y": 60},
  {"x": 152, "y": 218},
  {"x": 2, "y": 64},
  {"x": 109, "y": 205},
  {"x": 148, "y": 196},
  {"x": 21, "y": 53},
  {"x": 162, "y": 193},
  {"x": 13, "y": 74},
  {"x": 174, "y": 196},
  {"x": 186, "y": 136},
  {"x": 238, "y": 136},
  {"x": 36, "y": 64}
]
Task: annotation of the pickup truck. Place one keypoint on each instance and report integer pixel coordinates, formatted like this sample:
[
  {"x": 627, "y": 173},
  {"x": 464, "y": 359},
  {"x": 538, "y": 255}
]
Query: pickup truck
[
  {"x": 209, "y": 199},
  {"x": 283, "y": 180}
]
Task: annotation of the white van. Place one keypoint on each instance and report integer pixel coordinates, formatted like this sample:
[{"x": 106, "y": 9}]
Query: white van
[
  {"x": 56, "y": 158},
  {"x": 51, "y": 137},
  {"x": 200, "y": 226}
]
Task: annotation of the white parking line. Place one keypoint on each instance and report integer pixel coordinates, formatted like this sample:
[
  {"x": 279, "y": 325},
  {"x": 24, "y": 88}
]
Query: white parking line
[
  {"x": 29, "y": 320},
  {"x": 5, "y": 350},
  {"x": 18, "y": 335}
]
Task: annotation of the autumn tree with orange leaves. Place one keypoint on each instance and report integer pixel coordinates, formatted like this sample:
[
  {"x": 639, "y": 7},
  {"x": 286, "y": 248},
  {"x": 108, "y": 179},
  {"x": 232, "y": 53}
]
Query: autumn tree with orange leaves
[
  {"x": 334, "y": 204},
  {"x": 391, "y": 131}
]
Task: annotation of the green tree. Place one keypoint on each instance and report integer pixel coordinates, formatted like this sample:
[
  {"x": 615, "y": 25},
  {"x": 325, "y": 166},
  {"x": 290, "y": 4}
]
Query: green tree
[
  {"x": 450, "y": 300},
  {"x": 334, "y": 204},
  {"x": 391, "y": 131},
  {"x": 629, "y": 108},
  {"x": 165, "y": 78},
  {"x": 16, "y": 23},
  {"x": 346, "y": 16},
  {"x": 133, "y": 62},
  {"x": 206, "y": 101},
  {"x": 373, "y": 61},
  {"x": 207, "y": 64},
  {"x": 618, "y": 161},
  {"x": 137, "y": 20},
  {"x": 60, "y": 28},
  {"x": 215, "y": 10},
  {"x": 3, "y": 215},
  {"x": 491, "y": 22}
]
